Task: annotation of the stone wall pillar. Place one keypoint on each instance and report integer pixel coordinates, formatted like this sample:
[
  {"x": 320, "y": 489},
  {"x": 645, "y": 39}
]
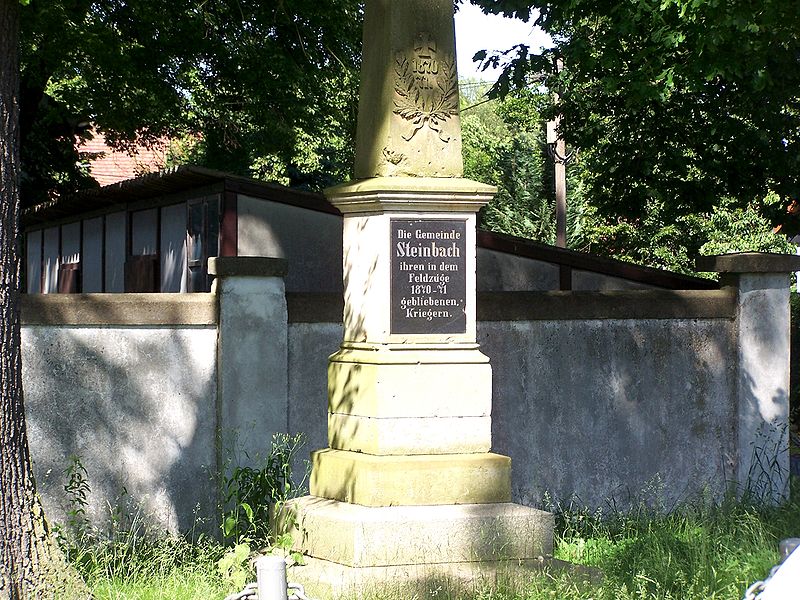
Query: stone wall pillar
[
  {"x": 252, "y": 398},
  {"x": 762, "y": 341}
]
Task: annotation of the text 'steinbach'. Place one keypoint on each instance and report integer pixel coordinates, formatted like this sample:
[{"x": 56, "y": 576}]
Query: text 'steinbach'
[{"x": 429, "y": 286}]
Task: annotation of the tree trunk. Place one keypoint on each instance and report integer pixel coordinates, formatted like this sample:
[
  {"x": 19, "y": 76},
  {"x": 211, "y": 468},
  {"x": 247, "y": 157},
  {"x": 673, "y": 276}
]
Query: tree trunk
[{"x": 31, "y": 563}]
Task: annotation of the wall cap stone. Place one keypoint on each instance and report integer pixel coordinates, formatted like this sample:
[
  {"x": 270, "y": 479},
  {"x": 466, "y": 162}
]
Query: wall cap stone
[
  {"x": 119, "y": 309},
  {"x": 748, "y": 262},
  {"x": 554, "y": 306},
  {"x": 247, "y": 266},
  {"x": 615, "y": 304}
]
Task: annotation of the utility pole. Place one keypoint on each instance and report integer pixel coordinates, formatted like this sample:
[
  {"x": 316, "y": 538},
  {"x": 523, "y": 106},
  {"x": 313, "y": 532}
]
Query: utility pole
[
  {"x": 557, "y": 149},
  {"x": 560, "y": 167}
]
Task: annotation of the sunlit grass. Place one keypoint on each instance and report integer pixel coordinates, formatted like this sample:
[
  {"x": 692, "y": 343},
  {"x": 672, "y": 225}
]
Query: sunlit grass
[
  {"x": 696, "y": 552},
  {"x": 179, "y": 584}
]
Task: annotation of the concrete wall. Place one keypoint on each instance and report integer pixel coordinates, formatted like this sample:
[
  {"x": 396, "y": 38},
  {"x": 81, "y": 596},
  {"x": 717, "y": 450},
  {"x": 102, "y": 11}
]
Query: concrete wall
[
  {"x": 158, "y": 394},
  {"x": 507, "y": 272},
  {"x": 610, "y": 396},
  {"x": 608, "y": 409},
  {"x": 126, "y": 382}
]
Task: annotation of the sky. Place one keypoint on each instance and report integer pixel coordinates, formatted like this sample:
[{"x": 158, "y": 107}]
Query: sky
[{"x": 476, "y": 31}]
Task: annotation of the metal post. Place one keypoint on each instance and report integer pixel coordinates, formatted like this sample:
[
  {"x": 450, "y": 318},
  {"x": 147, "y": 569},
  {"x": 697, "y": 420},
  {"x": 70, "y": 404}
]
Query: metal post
[{"x": 271, "y": 577}]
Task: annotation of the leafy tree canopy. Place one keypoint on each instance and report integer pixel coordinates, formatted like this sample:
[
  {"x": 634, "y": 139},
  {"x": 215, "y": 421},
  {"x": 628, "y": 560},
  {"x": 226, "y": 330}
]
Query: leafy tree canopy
[
  {"x": 259, "y": 88},
  {"x": 504, "y": 145},
  {"x": 677, "y": 105}
]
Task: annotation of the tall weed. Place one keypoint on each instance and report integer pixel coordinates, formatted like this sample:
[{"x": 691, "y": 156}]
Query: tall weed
[{"x": 251, "y": 494}]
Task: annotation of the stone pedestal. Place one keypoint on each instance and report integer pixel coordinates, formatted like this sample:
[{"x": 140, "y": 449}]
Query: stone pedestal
[
  {"x": 409, "y": 487},
  {"x": 408, "y": 551}
]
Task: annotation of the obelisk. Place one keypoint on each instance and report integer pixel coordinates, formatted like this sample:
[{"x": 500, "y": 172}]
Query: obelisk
[{"x": 408, "y": 487}]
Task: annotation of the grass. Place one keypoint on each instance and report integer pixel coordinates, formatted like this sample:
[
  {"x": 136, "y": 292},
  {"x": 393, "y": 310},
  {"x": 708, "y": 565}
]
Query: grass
[
  {"x": 695, "y": 552},
  {"x": 135, "y": 567},
  {"x": 692, "y": 553},
  {"x": 179, "y": 584}
]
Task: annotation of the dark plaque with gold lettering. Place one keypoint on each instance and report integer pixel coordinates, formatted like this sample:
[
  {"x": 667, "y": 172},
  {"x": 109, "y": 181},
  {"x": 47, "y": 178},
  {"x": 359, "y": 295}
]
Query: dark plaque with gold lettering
[{"x": 428, "y": 270}]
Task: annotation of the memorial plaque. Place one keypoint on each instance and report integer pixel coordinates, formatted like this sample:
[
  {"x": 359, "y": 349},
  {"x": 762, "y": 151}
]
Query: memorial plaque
[{"x": 428, "y": 270}]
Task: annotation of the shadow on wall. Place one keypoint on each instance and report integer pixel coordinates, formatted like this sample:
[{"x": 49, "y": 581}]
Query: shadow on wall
[
  {"x": 764, "y": 442},
  {"x": 602, "y": 409},
  {"x": 309, "y": 346},
  {"x": 137, "y": 406}
]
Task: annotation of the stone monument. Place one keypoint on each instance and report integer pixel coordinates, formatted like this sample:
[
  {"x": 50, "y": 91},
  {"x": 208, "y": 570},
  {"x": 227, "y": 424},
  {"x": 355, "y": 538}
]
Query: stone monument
[{"x": 408, "y": 489}]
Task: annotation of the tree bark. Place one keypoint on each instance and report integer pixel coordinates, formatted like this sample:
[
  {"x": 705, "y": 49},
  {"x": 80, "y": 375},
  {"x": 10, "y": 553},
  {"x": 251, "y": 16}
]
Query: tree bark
[{"x": 31, "y": 563}]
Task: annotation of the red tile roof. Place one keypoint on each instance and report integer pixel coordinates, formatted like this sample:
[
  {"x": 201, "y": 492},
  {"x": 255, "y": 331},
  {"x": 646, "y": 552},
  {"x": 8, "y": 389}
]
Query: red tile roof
[{"x": 115, "y": 165}]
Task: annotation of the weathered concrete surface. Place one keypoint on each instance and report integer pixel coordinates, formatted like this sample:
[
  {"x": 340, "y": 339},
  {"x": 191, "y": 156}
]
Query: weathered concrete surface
[
  {"x": 413, "y": 480},
  {"x": 361, "y": 536},
  {"x": 501, "y": 271},
  {"x": 587, "y": 280},
  {"x": 119, "y": 309},
  {"x": 763, "y": 348},
  {"x": 326, "y": 579},
  {"x": 597, "y": 408},
  {"x": 407, "y": 382},
  {"x": 613, "y": 305},
  {"x": 763, "y": 383},
  {"x": 309, "y": 346},
  {"x": 310, "y": 241},
  {"x": 252, "y": 359},
  {"x": 620, "y": 409},
  {"x": 137, "y": 406},
  {"x": 404, "y": 436}
]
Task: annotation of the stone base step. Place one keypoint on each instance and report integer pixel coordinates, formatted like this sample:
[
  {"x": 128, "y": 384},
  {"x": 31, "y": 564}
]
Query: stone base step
[
  {"x": 363, "y": 536},
  {"x": 325, "y": 580},
  {"x": 421, "y": 479}
]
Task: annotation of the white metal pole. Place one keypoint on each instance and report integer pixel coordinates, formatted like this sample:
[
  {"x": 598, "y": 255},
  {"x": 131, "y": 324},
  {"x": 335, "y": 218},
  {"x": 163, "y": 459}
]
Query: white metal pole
[{"x": 271, "y": 577}]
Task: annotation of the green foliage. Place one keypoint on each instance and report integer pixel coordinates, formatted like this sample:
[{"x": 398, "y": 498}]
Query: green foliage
[
  {"x": 741, "y": 230},
  {"x": 249, "y": 83},
  {"x": 252, "y": 494},
  {"x": 678, "y": 107},
  {"x": 698, "y": 551},
  {"x": 234, "y": 566},
  {"x": 503, "y": 145},
  {"x": 77, "y": 489},
  {"x": 132, "y": 555},
  {"x": 130, "y": 550},
  {"x": 661, "y": 240}
]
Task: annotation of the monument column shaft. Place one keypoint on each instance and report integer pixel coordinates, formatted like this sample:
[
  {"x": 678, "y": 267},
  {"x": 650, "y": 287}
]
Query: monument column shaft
[{"x": 408, "y": 122}]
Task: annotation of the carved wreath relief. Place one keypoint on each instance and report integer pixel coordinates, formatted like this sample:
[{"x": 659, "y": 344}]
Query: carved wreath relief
[{"x": 426, "y": 89}]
